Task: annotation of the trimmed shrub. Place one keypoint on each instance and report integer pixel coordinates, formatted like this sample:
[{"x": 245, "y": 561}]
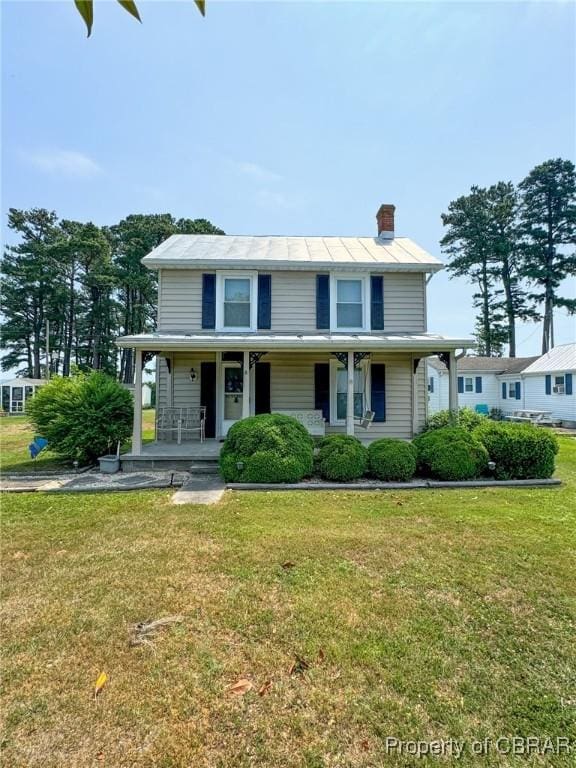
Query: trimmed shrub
[
  {"x": 520, "y": 451},
  {"x": 450, "y": 453},
  {"x": 341, "y": 458},
  {"x": 467, "y": 419},
  {"x": 83, "y": 416},
  {"x": 392, "y": 459},
  {"x": 270, "y": 448}
]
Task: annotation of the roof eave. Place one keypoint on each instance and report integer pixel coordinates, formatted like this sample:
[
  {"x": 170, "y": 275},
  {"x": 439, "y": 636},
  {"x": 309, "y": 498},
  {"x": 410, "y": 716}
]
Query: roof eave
[
  {"x": 257, "y": 343},
  {"x": 308, "y": 266}
]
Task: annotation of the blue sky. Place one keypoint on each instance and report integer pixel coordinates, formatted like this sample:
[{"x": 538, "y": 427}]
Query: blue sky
[{"x": 287, "y": 118}]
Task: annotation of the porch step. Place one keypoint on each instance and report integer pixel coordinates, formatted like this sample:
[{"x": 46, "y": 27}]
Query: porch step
[{"x": 204, "y": 467}]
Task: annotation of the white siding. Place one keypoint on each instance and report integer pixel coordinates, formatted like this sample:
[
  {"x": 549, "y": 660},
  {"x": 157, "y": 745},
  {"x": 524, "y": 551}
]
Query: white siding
[
  {"x": 293, "y": 301},
  {"x": 508, "y": 404},
  {"x": 489, "y": 396},
  {"x": 535, "y": 398}
]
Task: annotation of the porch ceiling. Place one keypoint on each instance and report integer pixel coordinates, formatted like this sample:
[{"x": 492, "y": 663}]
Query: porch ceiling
[{"x": 423, "y": 342}]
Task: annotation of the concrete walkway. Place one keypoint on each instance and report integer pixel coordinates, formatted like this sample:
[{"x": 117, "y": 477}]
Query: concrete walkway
[{"x": 200, "y": 489}]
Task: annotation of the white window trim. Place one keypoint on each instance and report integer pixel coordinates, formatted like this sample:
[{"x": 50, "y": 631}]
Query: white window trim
[
  {"x": 366, "y": 368},
  {"x": 471, "y": 390},
  {"x": 365, "y": 280},
  {"x": 220, "y": 277},
  {"x": 512, "y": 387}
]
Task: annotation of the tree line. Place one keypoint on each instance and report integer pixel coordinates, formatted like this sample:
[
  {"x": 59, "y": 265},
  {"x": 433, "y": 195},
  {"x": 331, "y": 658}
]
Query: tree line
[
  {"x": 515, "y": 244},
  {"x": 87, "y": 282}
]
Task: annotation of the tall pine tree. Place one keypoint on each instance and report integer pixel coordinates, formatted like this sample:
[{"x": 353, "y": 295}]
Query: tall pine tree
[{"x": 548, "y": 225}]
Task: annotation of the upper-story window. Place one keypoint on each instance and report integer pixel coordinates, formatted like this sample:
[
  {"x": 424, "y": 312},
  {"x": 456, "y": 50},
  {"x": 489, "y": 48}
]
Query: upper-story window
[
  {"x": 349, "y": 299},
  {"x": 236, "y": 301}
]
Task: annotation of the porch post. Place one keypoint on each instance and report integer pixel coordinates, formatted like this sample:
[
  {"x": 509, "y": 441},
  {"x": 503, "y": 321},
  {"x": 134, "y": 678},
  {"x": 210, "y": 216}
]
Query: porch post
[
  {"x": 350, "y": 396},
  {"x": 453, "y": 385},
  {"x": 137, "y": 424},
  {"x": 246, "y": 385}
]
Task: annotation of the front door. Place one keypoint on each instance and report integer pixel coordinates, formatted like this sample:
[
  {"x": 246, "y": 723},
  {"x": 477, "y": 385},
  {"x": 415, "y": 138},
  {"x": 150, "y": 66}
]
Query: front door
[{"x": 232, "y": 386}]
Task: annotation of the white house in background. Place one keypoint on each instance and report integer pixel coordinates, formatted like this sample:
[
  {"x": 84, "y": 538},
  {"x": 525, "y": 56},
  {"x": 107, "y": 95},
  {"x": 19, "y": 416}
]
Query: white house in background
[
  {"x": 548, "y": 383},
  {"x": 16, "y": 392},
  {"x": 332, "y": 330},
  {"x": 510, "y": 384},
  {"x": 483, "y": 383}
]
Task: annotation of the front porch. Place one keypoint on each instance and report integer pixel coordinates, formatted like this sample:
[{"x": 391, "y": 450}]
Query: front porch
[
  {"x": 165, "y": 454},
  {"x": 337, "y": 378}
]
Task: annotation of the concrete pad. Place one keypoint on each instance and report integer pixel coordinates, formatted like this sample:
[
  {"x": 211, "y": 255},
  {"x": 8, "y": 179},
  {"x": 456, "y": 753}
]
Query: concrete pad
[{"x": 200, "y": 489}]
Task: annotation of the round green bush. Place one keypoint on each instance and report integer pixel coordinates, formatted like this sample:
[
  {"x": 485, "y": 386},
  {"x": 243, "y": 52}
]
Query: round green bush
[
  {"x": 520, "y": 451},
  {"x": 341, "y": 458},
  {"x": 270, "y": 448},
  {"x": 83, "y": 416},
  {"x": 392, "y": 460},
  {"x": 450, "y": 453},
  {"x": 467, "y": 419}
]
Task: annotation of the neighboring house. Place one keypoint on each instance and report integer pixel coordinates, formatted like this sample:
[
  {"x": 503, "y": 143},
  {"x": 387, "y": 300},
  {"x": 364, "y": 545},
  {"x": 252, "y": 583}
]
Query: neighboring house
[
  {"x": 16, "y": 393},
  {"x": 482, "y": 381},
  {"x": 549, "y": 384},
  {"x": 325, "y": 327},
  {"x": 509, "y": 383}
]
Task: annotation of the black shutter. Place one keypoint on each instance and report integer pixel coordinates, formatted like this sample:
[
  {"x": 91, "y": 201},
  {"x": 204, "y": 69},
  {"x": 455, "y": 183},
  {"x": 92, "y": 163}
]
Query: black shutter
[
  {"x": 264, "y": 301},
  {"x": 262, "y": 384},
  {"x": 378, "y": 387},
  {"x": 460, "y": 384},
  {"x": 208, "y": 301},
  {"x": 377, "y": 303},
  {"x": 517, "y": 390},
  {"x": 503, "y": 391},
  {"x": 478, "y": 384},
  {"x": 548, "y": 385},
  {"x": 208, "y": 396},
  {"x": 322, "y": 301},
  {"x": 322, "y": 389},
  {"x": 568, "y": 383}
]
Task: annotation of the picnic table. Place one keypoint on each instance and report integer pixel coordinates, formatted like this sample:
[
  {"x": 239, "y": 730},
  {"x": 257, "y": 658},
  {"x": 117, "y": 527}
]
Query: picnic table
[{"x": 543, "y": 418}]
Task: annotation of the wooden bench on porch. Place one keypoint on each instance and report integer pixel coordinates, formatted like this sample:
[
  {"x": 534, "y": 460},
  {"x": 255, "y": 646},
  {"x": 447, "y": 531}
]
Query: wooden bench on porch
[
  {"x": 312, "y": 420},
  {"x": 180, "y": 422}
]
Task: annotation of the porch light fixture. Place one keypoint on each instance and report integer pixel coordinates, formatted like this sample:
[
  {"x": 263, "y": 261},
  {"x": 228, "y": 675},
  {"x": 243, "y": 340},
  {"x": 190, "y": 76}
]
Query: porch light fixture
[
  {"x": 193, "y": 375},
  {"x": 491, "y": 466},
  {"x": 240, "y": 466}
]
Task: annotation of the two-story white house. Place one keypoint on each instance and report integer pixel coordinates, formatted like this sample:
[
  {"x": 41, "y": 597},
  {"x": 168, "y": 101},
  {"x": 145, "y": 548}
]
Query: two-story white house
[{"x": 331, "y": 329}]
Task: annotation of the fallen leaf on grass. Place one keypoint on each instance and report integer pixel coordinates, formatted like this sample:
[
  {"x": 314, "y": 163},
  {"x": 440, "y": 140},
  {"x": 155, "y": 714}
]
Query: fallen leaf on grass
[
  {"x": 100, "y": 683},
  {"x": 364, "y": 745},
  {"x": 298, "y": 666},
  {"x": 321, "y": 656},
  {"x": 287, "y": 564},
  {"x": 265, "y": 688},
  {"x": 240, "y": 688},
  {"x": 146, "y": 631}
]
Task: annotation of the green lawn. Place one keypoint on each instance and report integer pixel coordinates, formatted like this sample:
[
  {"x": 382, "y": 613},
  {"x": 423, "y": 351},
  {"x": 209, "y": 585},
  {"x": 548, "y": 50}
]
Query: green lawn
[
  {"x": 16, "y": 434},
  {"x": 422, "y": 615}
]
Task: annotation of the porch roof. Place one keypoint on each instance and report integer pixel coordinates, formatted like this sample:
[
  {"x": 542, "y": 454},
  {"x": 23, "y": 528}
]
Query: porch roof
[{"x": 418, "y": 342}]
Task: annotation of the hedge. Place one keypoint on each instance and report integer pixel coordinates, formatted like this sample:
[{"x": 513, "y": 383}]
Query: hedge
[
  {"x": 83, "y": 416},
  {"x": 520, "y": 451},
  {"x": 270, "y": 448},
  {"x": 467, "y": 419},
  {"x": 341, "y": 458},
  {"x": 392, "y": 460},
  {"x": 450, "y": 453}
]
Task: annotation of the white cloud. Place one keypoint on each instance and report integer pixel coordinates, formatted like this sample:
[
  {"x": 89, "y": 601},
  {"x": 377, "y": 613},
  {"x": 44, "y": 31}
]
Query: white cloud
[
  {"x": 62, "y": 162},
  {"x": 256, "y": 172}
]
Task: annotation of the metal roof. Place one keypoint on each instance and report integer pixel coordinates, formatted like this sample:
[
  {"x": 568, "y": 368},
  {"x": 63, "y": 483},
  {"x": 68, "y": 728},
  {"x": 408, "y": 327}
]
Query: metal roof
[
  {"x": 496, "y": 365},
  {"x": 562, "y": 358},
  {"x": 19, "y": 382},
  {"x": 233, "y": 252},
  {"x": 418, "y": 342}
]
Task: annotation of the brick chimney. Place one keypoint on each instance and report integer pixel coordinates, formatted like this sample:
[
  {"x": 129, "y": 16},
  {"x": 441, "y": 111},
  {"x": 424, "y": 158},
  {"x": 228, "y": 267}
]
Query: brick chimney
[{"x": 385, "y": 219}]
